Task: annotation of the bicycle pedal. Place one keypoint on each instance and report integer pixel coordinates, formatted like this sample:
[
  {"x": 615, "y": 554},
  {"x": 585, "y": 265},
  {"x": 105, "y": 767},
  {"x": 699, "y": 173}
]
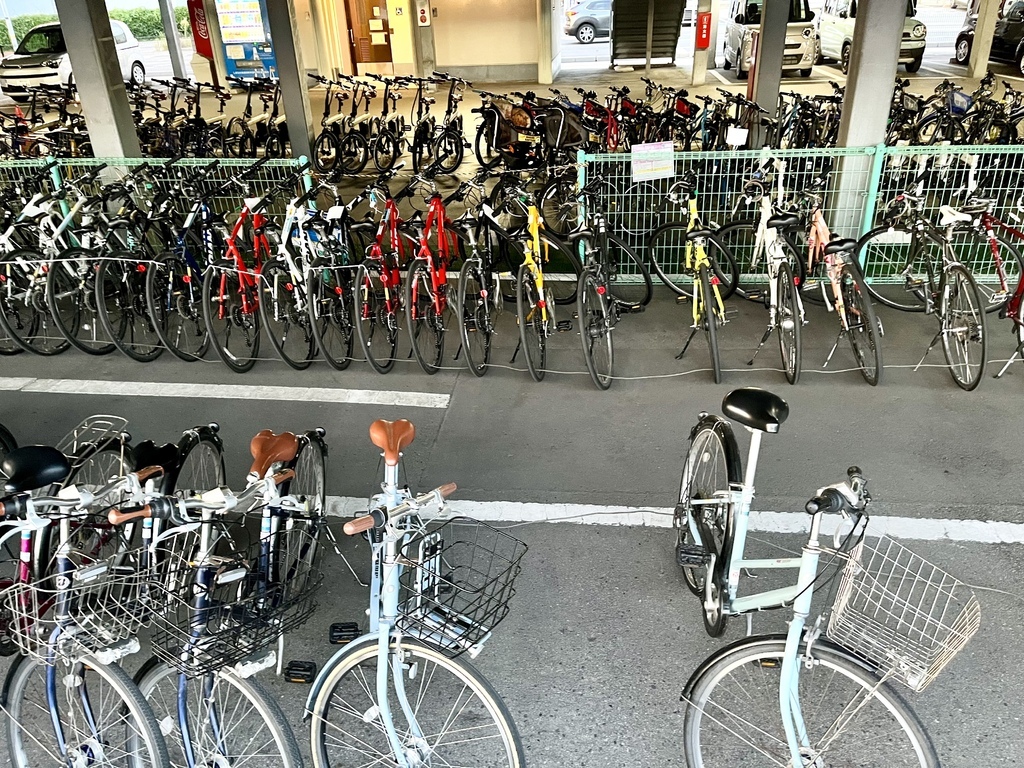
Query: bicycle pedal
[
  {"x": 632, "y": 309},
  {"x": 682, "y": 299},
  {"x": 563, "y": 325},
  {"x": 300, "y": 671},
  {"x": 343, "y": 632},
  {"x": 730, "y": 312},
  {"x": 914, "y": 283},
  {"x": 692, "y": 555}
]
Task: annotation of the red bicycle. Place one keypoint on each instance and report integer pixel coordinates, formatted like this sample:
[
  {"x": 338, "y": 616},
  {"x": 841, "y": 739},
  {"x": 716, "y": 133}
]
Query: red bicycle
[{"x": 427, "y": 310}]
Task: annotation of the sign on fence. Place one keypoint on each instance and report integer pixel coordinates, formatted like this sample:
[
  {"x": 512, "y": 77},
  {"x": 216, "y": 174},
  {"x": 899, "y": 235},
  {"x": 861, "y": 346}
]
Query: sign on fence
[{"x": 653, "y": 161}]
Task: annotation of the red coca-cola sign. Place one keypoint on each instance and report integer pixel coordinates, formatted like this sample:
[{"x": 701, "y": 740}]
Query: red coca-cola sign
[{"x": 200, "y": 28}]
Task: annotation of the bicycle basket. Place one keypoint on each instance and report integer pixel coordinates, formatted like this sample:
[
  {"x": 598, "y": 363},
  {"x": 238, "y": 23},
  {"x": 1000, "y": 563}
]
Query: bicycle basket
[
  {"x": 959, "y": 102},
  {"x": 457, "y": 582},
  {"x": 911, "y": 102},
  {"x": 901, "y": 612},
  {"x": 562, "y": 129},
  {"x": 253, "y": 596},
  {"x": 105, "y": 602}
]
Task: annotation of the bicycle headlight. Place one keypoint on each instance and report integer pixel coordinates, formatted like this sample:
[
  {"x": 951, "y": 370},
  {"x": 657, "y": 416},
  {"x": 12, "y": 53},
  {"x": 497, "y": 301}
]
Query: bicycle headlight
[{"x": 919, "y": 31}]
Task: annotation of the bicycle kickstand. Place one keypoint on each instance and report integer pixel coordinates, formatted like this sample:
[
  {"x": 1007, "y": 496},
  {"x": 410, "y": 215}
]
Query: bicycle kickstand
[
  {"x": 764, "y": 338},
  {"x": 1013, "y": 358},
  {"x": 930, "y": 347},
  {"x": 842, "y": 332},
  {"x": 515, "y": 353},
  {"x": 693, "y": 332},
  {"x": 458, "y": 352}
]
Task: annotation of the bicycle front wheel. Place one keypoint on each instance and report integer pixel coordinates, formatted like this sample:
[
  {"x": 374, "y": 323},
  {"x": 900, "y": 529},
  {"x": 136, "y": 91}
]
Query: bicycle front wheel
[
  {"x": 231, "y": 317},
  {"x": 426, "y": 323},
  {"x": 230, "y": 720},
  {"x": 789, "y": 323},
  {"x": 666, "y": 252},
  {"x": 123, "y": 308},
  {"x": 376, "y": 320},
  {"x": 733, "y": 715},
  {"x": 862, "y": 326},
  {"x": 330, "y": 314},
  {"x": 888, "y": 255},
  {"x": 461, "y": 718},
  {"x": 595, "y": 330},
  {"x": 283, "y": 312},
  {"x": 71, "y": 298},
  {"x": 174, "y": 300},
  {"x": 103, "y": 718},
  {"x": 533, "y": 327},
  {"x": 631, "y": 284},
  {"x": 964, "y": 337},
  {"x": 709, "y": 319},
  {"x": 475, "y": 322}
]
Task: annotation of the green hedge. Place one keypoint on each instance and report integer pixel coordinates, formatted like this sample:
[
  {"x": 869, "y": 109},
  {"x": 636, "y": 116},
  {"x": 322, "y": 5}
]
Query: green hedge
[{"x": 144, "y": 23}]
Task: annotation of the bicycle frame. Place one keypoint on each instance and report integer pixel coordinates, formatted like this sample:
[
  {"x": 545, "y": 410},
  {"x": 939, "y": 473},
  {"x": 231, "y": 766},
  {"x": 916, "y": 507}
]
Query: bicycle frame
[
  {"x": 534, "y": 258},
  {"x": 247, "y": 278},
  {"x": 390, "y": 277},
  {"x": 438, "y": 268},
  {"x": 697, "y": 257}
]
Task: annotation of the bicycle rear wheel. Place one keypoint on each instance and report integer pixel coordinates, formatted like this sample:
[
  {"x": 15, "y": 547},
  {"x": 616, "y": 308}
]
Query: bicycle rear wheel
[
  {"x": 24, "y": 315},
  {"x": 283, "y": 312},
  {"x": 71, "y": 298},
  {"x": 666, "y": 252},
  {"x": 475, "y": 322},
  {"x": 533, "y": 328},
  {"x": 426, "y": 324},
  {"x": 964, "y": 337},
  {"x": 376, "y": 325},
  {"x": 733, "y": 716},
  {"x": 464, "y": 720},
  {"x": 863, "y": 328},
  {"x": 231, "y": 316},
  {"x": 330, "y": 314},
  {"x": 201, "y": 463},
  {"x": 888, "y": 255},
  {"x": 631, "y": 284},
  {"x": 174, "y": 293},
  {"x": 102, "y": 716},
  {"x": 789, "y": 323},
  {"x": 595, "y": 330},
  {"x": 123, "y": 308}
]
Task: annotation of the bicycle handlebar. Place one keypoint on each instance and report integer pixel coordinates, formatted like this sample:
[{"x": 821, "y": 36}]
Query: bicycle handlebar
[{"x": 378, "y": 518}]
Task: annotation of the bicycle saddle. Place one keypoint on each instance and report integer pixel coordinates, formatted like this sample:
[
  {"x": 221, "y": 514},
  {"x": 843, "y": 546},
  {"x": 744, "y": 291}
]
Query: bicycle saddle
[
  {"x": 391, "y": 437},
  {"x": 267, "y": 449},
  {"x": 784, "y": 221},
  {"x": 149, "y": 454},
  {"x": 840, "y": 245},
  {"x": 34, "y": 466},
  {"x": 756, "y": 408}
]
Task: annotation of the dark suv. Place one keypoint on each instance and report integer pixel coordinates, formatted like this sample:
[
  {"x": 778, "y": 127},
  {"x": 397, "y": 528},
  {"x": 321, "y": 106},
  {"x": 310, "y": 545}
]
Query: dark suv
[
  {"x": 1007, "y": 42},
  {"x": 589, "y": 19}
]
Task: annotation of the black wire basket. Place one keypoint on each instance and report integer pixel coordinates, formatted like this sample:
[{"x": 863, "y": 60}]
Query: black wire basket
[
  {"x": 256, "y": 597},
  {"x": 458, "y": 579}
]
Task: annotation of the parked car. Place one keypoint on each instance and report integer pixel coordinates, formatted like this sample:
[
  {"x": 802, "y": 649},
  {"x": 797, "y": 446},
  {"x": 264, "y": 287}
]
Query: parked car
[
  {"x": 42, "y": 59},
  {"x": 835, "y": 34},
  {"x": 1007, "y": 42},
  {"x": 588, "y": 20},
  {"x": 745, "y": 18}
]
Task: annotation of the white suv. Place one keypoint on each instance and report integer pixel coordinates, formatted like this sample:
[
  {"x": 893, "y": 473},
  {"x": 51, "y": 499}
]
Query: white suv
[
  {"x": 835, "y": 34},
  {"x": 42, "y": 59},
  {"x": 745, "y": 18}
]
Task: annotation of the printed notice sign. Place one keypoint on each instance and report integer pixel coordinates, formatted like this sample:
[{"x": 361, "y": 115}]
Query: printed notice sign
[{"x": 653, "y": 161}]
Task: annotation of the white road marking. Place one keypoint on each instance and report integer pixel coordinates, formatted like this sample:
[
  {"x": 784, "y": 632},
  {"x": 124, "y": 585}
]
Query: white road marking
[
  {"x": 719, "y": 76},
  {"x": 904, "y": 528},
  {"x": 944, "y": 72},
  {"x": 224, "y": 392}
]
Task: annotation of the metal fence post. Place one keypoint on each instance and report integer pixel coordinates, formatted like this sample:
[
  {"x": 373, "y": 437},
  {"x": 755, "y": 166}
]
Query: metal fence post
[{"x": 878, "y": 156}]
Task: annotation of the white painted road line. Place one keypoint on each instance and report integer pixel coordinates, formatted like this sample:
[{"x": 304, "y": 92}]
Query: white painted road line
[
  {"x": 901, "y": 528},
  {"x": 224, "y": 392}
]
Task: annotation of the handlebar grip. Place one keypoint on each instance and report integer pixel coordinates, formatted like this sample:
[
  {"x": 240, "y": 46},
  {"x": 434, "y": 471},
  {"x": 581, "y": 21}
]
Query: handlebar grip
[
  {"x": 361, "y": 524},
  {"x": 145, "y": 474},
  {"x": 14, "y": 507},
  {"x": 119, "y": 517},
  {"x": 284, "y": 474},
  {"x": 447, "y": 490},
  {"x": 830, "y": 501}
]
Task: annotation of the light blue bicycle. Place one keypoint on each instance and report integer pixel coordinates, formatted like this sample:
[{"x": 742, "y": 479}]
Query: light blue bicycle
[
  {"x": 813, "y": 696},
  {"x": 403, "y": 694}
]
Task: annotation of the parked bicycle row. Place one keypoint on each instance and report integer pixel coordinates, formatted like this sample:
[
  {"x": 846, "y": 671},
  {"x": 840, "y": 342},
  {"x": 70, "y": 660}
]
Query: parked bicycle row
[{"x": 142, "y": 558}]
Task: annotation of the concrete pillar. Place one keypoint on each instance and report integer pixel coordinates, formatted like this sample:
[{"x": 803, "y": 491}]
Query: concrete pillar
[
  {"x": 97, "y": 73},
  {"x": 770, "y": 49},
  {"x": 173, "y": 38},
  {"x": 700, "y": 58},
  {"x": 981, "y": 46},
  {"x": 423, "y": 43},
  {"x": 545, "y": 55},
  {"x": 291, "y": 70},
  {"x": 869, "y": 86},
  {"x": 716, "y": 19}
]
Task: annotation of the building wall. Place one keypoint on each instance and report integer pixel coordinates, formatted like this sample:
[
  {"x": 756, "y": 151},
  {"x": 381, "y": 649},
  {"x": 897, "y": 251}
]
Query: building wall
[
  {"x": 487, "y": 40},
  {"x": 403, "y": 54}
]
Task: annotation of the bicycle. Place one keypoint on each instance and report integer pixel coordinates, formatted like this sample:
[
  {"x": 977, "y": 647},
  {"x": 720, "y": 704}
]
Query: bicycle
[
  {"x": 403, "y": 693},
  {"x": 935, "y": 278},
  {"x": 803, "y": 699},
  {"x": 339, "y": 140}
]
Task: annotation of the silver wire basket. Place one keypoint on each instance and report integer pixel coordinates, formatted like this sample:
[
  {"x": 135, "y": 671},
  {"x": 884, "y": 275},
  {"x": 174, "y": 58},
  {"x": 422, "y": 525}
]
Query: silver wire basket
[{"x": 902, "y": 613}]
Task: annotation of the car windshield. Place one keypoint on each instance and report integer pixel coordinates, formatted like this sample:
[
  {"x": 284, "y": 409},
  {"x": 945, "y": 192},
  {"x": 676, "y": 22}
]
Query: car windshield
[{"x": 43, "y": 41}]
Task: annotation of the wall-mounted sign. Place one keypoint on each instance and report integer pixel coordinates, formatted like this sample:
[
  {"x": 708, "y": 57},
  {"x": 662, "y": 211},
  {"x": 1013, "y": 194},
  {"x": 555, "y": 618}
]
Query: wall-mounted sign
[
  {"x": 423, "y": 13},
  {"x": 703, "y": 31},
  {"x": 200, "y": 29},
  {"x": 653, "y": 161}
]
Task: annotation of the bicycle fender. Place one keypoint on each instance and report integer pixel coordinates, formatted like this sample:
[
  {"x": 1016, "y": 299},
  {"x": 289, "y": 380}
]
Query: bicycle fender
[
  {"x": 724, "y": 430},
  {"x": 21, "y": 659},
  {"x": 821, "y": 642},
  {"x": 326, "y": 670}
]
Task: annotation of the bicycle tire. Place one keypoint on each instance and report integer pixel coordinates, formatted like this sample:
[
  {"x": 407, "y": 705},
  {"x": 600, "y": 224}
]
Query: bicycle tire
[
  {"x": 449, "y": 150},
  {"x": 710, "y": 321},
  {"x": 24, "y": 316},
  {"x": 200, "y": 463},
  {"x": 332, "y": 713},
  {"x": 559, "y": 206},
  {"x": 486, "y": 155},
  {"x": 326, "y": 150},
  {"x": 475, "y": 324},
  {"x": 756, "y": 662},
  {"x": 637, "y": 289},
  {"x": 234, "y": 132},
  {"x": 426, "y": 325},
  {"x": 961, "y": 316},
  {"x": 532, "y": 326},
  {"x": 284, "y": 315},
  {"x": 116, "y": 715},
  {"x": 562, "y": 269},
  {"x": 7, "y": 444},
  {"x": 121, "y": 300},
  {"x": 739, "y": 238},
  {"x": 274, "y": 145},
  {"x": 975, "y": 251},
  {"x": 331, "y": 314},
  {"x": 354, "y": 153},
  {"x": 376, "y": 327},
  {"x": 595, "y": 328},
  {"x": 225, "y": 703},
  {"x": 864, "y": 330},
  {"x": 876, "y": 260},
  {"x": 234, "y": 332},
  {"x": 310, "y": 465},
  {"x": 788, "y": 322},
  {"x": 71, "y": 299},
  {"x": 672, "y": 237},
  {"x": 937, "y": 128},
  {"x": 174, "y": 298},
  {"x": 384, "y": 149},
  {"x": 712, "y": 447}
]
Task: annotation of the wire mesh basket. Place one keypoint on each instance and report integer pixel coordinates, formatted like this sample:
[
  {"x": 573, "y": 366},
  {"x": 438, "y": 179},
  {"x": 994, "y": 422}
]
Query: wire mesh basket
[
  {"x": 457, "y": 584},
  {"x": 901, "y": 612},
  {"x": 251, "y": 597},
  {"x": 105, "y": 605}
]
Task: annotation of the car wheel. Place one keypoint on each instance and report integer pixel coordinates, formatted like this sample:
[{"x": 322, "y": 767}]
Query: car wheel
[
  {"x": 741, "y": 73},
  {"x": 962, "y": 51},
  {"x": 138, "y": 73},
  {"x": 1020, "y": 62},
  {"x": 818, "y": 58},
  {"x": 585, "y": 33},
  {"x": 805, "y": 72},
  {"x": 844, "y": 60},
  {"x": 728, "y": 64},
  {"x": 913, "y": 66}
]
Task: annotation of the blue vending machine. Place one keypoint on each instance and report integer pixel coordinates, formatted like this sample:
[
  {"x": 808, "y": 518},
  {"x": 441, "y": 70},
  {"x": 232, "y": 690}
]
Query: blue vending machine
[{"x": 245, "y": 33}]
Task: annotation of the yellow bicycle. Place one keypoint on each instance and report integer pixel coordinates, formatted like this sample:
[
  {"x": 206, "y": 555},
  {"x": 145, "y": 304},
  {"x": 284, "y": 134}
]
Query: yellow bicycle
[{"x": 535, "y": 303}]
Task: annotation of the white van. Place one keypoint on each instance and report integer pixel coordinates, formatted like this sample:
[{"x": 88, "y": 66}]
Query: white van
[
  {"x": 835, "y": 34},
  {"x": 745, "y": 18}
]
